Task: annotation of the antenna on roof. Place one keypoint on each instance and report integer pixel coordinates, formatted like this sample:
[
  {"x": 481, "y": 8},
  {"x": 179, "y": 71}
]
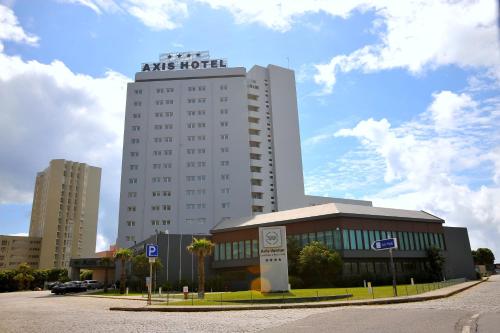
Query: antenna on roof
[{"x": 288, "y": 62}]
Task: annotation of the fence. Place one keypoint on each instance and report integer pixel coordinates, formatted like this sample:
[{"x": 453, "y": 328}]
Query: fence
[{"x": 253, "y": 297}]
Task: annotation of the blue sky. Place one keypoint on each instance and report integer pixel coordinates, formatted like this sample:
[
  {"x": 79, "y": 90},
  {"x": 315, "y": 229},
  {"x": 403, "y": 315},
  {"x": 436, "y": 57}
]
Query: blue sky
[{"x": 398, "y": 102}]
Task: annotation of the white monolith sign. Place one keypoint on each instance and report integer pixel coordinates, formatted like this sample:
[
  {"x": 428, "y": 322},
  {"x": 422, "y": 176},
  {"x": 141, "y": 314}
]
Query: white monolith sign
[{"x": 273, "y": 259}]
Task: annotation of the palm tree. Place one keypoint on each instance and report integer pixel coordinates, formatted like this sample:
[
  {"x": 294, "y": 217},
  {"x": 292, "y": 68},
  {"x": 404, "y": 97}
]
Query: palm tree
[
  {"x": 124, "y": 255},
  {"x": 106, "y": 261},
  {"x": 201, "y": 248}
]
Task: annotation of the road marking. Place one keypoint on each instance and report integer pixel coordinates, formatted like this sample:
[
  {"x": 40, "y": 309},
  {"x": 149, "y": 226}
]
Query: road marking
[{"x": 466, "y": 328}]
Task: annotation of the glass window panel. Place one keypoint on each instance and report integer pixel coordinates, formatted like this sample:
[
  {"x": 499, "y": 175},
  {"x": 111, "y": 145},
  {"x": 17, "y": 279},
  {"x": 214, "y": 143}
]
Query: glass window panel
[
  {"x": 255, "y": 248},
  {"x": 222, "y": 251},
  {"x": 401, "y": 241},
  {"x": 320, "y": 236},
  {"x": 426, "y": 240},
  {"x": 248, "y": 249},
  {"x": 235, "y": 250},
  {"x": 366, "y": 239},
  {"x": 337, "y": 243},
  {"x": 359, "y": 240},
  {"x": 383, "y": 234},
  {"x": 304, "y": 240},
  {"x": 421, "y": 238},
  {"x": 346, "y": 239},
  {"x": 228, "y": 251},
  {"x": 371, "y": 233},
  {"x": 312, "y": 237},
  {"x": 362, "y": 268},
  {"x": 352, "y": 239},
  {"x": 418, "y": 244},
  {"x": 377, "y": 235},
  {"x": 436, "y": 241},
  {"x": 216, "y": 252},
  {"x": 441, "y": 241},
  {"x": 347, "y": 268},
  {"x": 354, "y": 268},
  {"x": 369, "y": 267},
  {"x": 410, "y": 238},
  {"x": 406, "y": 241},
  {"x": 241, "y": 250},
  {"x": 329, "y": 239}
]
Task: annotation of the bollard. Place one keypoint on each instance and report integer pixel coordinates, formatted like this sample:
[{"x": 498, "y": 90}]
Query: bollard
[
  {"x": 159, "y": 292},
  {"x": 126, "y": 291}
]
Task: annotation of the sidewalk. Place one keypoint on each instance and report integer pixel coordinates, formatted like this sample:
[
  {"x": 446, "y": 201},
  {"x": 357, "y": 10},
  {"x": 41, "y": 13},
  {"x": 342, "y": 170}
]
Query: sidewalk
[{"x": 434, "y": 294}]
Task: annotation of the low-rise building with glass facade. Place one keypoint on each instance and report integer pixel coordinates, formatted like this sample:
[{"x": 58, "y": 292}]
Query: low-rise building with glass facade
[{"x": 350, "y": 230}]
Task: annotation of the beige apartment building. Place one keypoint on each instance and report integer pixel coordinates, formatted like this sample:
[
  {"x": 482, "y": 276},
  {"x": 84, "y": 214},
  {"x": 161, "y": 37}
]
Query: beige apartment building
[
  {"x": 15, "y": 250},
  {"x": 64, "y": 212}
]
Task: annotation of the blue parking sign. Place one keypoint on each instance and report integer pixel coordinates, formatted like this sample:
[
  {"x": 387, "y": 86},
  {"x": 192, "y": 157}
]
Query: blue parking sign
[{"x": 151, "y": 250}]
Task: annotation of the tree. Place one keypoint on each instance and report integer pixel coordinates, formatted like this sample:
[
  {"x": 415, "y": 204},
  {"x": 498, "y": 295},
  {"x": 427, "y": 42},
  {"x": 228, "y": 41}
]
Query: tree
[
  {"x": 107, "y": 262},
  {"x": 318, "y": 265},
  {"x": 124, "y": 256},
  {"x": 483, "y": 256},
  {"x": 140, "y": 266},
  {"x": 436, "y": 262},
  {"x": 24, "y": 276},
  {"x": 293, "y": 249},
  {"x": 201, "y": 248},
  {"x": 86, "y": 274}
]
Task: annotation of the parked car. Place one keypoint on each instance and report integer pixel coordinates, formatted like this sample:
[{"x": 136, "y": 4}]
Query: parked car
[
  {"x": 51, "y": 285},
  {"x": 68, "y": 287},
  {"x": 92, "y": 284}
]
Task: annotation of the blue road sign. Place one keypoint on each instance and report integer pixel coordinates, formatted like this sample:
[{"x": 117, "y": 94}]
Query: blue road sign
[
  {"x": 151, "y": 250},
  {"x": 385, "y": 244}
]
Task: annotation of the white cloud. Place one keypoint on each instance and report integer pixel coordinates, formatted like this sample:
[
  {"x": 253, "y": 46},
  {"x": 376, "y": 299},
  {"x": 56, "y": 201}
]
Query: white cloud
[
  {"x": 22, "y": 234},
  {"x": 11, "y": 30},
  {"x": 98, "y": 6},
  {"x": 102, "y": 243},
  {"x": 416, "y": 35},
  {"x": 157, "y": 14},
  {"x": 48, "y": 112},
  {"x": 446, "y": 162}
]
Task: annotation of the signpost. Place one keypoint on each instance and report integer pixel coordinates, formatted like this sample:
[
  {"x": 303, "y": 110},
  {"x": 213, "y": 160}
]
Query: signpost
[
  {"x": 388, "y": 244},
  {"x": 152, "y": 254}
]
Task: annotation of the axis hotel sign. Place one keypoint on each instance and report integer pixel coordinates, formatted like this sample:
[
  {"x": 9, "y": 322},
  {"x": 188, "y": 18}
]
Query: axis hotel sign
[{"x": 182, "y": 61}]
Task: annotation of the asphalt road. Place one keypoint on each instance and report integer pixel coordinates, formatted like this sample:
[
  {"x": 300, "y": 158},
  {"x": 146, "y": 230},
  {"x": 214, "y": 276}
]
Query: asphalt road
[
  {"x": 477, "y": 309},
  {"x": 474, "y": 310}
]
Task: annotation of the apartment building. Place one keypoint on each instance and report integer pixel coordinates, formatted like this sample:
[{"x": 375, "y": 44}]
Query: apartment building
[
  {"x": 64, "y": 212},
  {"x": 15, "y": 250}
]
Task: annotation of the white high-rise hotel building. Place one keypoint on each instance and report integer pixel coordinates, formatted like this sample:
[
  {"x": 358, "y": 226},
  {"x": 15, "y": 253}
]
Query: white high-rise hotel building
[{"x": 204, "y": 142}]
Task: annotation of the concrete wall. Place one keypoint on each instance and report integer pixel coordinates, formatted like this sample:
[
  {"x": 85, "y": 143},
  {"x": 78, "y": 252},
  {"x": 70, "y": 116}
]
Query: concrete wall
[{"x": 458, "y": 254}]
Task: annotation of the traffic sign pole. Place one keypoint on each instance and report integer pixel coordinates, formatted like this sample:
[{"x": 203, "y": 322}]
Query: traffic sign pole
[
  {"x": 394, "y": 288},
  {"x": 149, "y": 284}
]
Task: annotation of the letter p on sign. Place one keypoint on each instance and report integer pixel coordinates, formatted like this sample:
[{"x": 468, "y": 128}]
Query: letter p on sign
[{"x": 151, "y": 250}]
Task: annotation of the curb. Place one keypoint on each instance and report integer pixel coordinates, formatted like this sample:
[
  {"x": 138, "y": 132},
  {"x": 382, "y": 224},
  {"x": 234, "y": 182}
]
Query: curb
[{"x": 213, "y": 308}]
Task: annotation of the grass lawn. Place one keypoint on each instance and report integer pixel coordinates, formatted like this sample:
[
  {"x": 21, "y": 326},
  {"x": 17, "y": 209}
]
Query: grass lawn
[{"x": 233, "y": 298}]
